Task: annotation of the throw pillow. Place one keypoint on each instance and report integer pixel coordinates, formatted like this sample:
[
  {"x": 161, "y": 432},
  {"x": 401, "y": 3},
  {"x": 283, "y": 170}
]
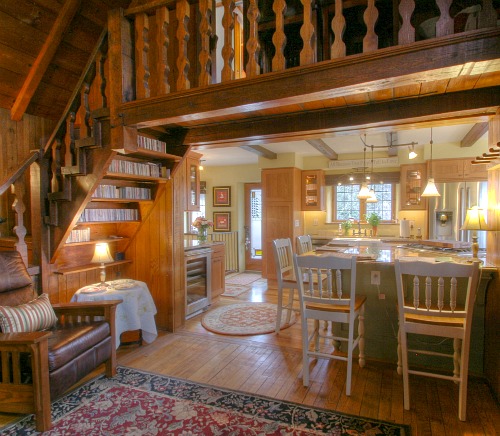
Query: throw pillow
[{"x": 33, "y": 316}]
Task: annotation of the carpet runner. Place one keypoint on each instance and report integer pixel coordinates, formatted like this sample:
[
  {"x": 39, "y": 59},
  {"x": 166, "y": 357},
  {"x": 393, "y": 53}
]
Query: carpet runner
[
  {"x": 243, "y": 278},
  {"x": 245, "y": 319},
  {"x": 141, "y": 403}
]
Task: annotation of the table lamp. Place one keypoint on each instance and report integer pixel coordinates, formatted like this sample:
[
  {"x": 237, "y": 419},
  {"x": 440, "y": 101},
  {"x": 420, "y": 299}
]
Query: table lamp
[
  {"x": 474, "y": 220},
  {"x": 102, "y": 256}
]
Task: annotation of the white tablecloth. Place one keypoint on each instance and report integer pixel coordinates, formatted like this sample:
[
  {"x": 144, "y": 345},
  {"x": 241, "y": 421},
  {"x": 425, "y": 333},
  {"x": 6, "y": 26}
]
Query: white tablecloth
[{"x": 137, "y": 310}]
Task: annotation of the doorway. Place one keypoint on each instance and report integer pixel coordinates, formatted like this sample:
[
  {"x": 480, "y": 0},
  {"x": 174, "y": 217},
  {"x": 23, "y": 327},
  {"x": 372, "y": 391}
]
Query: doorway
[{"x": 253, "y": 227}]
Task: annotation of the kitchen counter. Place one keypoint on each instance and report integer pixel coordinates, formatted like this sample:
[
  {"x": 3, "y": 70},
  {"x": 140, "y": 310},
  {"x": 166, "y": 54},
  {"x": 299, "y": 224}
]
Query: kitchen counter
[{"x": 194, "y": 244}]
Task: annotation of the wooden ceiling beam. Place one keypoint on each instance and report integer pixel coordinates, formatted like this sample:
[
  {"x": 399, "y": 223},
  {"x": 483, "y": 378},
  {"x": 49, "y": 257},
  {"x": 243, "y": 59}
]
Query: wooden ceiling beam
[
  {"x": 261, "y": 151},
  {"x": 323, "y": 148},
  {"x": 441, "y": 109},
  {"x": 476, "y": 132},
  {"x": 49, "y": 48}
]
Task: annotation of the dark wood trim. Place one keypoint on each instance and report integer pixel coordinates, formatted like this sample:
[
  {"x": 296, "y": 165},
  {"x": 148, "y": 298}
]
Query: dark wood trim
[{"x": 478, "y": 105}]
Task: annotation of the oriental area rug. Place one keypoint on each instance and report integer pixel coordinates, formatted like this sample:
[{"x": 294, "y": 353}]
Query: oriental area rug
[
  {"x": 235, "y": 290},
  {"x": 245, "y": 319},
  {"x": 140, "y": 403}
]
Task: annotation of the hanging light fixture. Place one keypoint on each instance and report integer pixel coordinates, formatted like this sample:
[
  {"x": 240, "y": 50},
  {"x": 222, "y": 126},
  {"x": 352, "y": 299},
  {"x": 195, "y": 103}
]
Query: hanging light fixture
[
  {"x": 412, "y": 154},
  {"x": 431, "y": 190},
  {"x": 364, "y": 192},
  {"x": 372, "y": 198}
]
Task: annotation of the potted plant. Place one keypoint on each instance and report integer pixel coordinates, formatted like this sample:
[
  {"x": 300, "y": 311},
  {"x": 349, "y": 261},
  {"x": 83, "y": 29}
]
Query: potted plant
[
  {"x": 346, "y": 225},
  {"x": 373, "y": 219}
]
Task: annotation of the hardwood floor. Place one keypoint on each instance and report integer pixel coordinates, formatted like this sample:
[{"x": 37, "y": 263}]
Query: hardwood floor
[{"x": 270, "y": 365}]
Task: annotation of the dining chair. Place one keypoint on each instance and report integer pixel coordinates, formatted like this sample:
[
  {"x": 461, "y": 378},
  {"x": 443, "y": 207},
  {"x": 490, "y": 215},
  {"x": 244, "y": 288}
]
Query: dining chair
[
  {"x": 436, "y": 300},
  {"x": 304, "y": 244},
  {"x": 285, "y": 272},
  {"x": 334, "y": 300}
]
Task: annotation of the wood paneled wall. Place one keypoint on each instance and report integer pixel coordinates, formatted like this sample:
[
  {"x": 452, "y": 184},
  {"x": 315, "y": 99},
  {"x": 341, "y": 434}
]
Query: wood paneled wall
[{"x": 17, "y": 138}]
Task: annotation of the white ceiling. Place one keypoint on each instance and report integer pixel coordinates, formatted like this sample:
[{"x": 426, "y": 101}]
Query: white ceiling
[{"x": 340, "y": 144}]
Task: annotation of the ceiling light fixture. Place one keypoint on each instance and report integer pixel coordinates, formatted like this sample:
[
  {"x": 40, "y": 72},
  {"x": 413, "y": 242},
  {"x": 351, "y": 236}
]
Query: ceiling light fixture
[
  {"x": 412, "y": 154},
  {"x": 372, "y": 198},
  {"x": 200, "y": 166},
  {"x": 364, "y": 192},
  {"x": 431, "y": 190}
]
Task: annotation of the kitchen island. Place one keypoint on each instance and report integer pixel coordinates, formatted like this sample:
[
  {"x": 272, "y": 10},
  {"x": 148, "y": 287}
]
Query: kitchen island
[{"x": 381, "y": 319}]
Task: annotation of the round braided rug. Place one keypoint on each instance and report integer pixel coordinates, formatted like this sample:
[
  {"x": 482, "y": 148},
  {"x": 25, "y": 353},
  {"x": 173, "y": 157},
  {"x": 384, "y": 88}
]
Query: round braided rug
[{"x": 245, "y": 319}]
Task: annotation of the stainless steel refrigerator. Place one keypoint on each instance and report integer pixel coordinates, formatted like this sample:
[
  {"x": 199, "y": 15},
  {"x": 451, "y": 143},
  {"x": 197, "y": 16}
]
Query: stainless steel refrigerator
[{"x": 447, "y": 213}]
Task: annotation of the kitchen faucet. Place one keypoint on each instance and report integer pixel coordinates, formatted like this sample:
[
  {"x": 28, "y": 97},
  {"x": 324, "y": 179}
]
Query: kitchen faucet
[{"x": 354, "y": 233}]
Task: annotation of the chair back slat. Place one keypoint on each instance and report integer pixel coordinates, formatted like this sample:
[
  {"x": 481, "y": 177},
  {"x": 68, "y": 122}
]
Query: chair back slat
[
  {"x": 304, "y": 244},
  {"x": 283, "y": 256},
  {"x": 328, "y": 272},
  {"x": 441, "y": 287}
]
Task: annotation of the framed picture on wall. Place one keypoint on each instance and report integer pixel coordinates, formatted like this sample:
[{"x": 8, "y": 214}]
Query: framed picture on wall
[
  {"x": 222, "y": 196},
  {"x": 222, "y": 221}
]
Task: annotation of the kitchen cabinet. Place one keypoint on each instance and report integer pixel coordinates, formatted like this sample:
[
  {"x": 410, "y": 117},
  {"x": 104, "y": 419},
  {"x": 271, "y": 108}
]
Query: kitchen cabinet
[
  {"x": 457, "y": 170},
  {"x": 193, "y": 182},
  {"x": 313, "y": 190},
  {"x": 412, "y": 184},
  {"x": 218, "y": 270}
]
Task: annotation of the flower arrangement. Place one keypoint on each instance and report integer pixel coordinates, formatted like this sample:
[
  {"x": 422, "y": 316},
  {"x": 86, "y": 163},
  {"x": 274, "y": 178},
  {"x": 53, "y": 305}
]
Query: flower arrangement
[
  {"x": 346, "y": 225},
  {"x": 202, "y": 225}
]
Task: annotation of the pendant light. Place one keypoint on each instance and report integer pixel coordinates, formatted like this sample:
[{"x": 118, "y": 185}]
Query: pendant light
[
  {"x": 412, "y": 154},
  {"x": 364, "y": 192},
  {"x": 372, "y": 198},
  {"x": 431, "y": 190}
]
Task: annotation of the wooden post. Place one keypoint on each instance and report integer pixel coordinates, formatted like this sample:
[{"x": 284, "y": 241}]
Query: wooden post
[
  {"x": 253, "y": 46},
  {"x": 182, "y": 13},
  {"x": 161, "y": 67},
  {"x": 338, "y": 49},
  {"x": 406, "y": 33},
  {"x": 205, "y": 35},
  {"x": 141, "y": 56},
  {"x": 279, "y": 37},
  {"x": 227, "y": 49},
  {"x": 370, "y": 41},
  {"x": 444, "y": 25},
  {"x": 308, "y": 34}
]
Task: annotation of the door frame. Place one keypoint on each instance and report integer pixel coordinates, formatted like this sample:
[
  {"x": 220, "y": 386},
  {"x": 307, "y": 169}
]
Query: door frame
[{"x": 250, "y": 264}]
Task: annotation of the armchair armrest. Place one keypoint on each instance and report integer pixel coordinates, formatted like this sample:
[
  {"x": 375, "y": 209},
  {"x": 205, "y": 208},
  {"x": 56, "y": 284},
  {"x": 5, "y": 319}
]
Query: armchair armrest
[{"x": 105, "y": 308}]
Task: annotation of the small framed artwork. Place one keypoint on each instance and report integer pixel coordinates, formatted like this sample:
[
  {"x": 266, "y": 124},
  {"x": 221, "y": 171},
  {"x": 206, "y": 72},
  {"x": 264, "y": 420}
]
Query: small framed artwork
[
  {"x": 222, "y": 196},
  {"x": 222, "y": 221}
]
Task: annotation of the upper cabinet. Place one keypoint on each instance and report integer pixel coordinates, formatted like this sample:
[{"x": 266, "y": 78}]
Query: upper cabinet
[
  {"x": 193, "y": 182},
  {"x": 412, "y": 184},
  {"x": 313, "y": 190},
  {"x": 458, "y": 170}
]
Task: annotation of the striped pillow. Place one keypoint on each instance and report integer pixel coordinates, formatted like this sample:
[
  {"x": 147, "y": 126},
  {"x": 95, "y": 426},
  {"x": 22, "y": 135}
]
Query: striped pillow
[{"x": 30, "y": 317}]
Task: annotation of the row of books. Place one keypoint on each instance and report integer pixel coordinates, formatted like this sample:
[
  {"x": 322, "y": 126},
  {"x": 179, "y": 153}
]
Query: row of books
[
  {"x": 79, "y": 235},
  {"x": 151, "y": 144},
  {"x": 95, "y": 215},
  {"x": 137, "y": 168},
  {"x": 128, "y": 192}
]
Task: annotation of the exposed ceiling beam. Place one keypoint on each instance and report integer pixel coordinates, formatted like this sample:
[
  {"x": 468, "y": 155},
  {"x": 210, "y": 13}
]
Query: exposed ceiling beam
[
  {"x": 44, "y": 58},
  {"x": 477, "y": 131},
  {"x": 475, "y": 105},
  {"x": 261, "y": 151},
  {"x": 323, "y": 148}
]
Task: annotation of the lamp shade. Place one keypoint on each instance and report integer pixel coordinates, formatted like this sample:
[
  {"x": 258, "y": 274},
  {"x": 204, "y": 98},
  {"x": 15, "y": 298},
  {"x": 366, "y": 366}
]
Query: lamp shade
[
  {"x": 430, "y": 190},
  {"x": 364, "y": 192},
  {"x": 474, "y": 220},
  {"x": 372, "y": 198},
  {"x": 102, "y": 254}
]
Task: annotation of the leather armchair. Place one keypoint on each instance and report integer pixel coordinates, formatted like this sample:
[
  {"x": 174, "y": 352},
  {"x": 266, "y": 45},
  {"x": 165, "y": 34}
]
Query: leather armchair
[{"x": 38, "y": 367}]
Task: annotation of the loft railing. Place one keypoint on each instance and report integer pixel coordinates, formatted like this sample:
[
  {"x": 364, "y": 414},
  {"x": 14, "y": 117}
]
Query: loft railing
[{"x": 168, "y": 57}]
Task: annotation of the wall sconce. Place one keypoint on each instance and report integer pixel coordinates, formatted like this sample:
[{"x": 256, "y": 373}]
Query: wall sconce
[
  {"x": 200, "y": 166},
  {"x": 102, "y": 256},
  {"x": 474, "y": 220}
]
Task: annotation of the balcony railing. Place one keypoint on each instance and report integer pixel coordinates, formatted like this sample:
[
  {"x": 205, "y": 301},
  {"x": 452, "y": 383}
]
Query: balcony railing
[{"x": 174, "y": 46}]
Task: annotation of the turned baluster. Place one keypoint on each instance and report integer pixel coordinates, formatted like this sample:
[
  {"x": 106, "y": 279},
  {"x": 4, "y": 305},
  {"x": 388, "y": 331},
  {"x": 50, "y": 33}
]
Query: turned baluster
[
  {"x": 279, "y": 38},
  {"x": 253, "y": 46},
  {"x": 227, "y": 50},
  {"x": 85, "y": 91},
  {"x": 444, "y": 25},
  {"x": 70, "y": 153},
  {"x": 101, "y": 62},
  {"x": 141, "y": 56},
  {"x": 162, "y": 43},
  {"x": 406, "y": 33},
  {"x": 487, "y": 15},
  {"x": 182, "y": 14},
  {"x": 57, "y": 179},
  {"x": 18, "y": 189},
  {"x": 308, "y": 52},
  {"x": 370, "y": 41},
  {"x": 338, "y": 49},
  {"x": 205, "y": 35}
]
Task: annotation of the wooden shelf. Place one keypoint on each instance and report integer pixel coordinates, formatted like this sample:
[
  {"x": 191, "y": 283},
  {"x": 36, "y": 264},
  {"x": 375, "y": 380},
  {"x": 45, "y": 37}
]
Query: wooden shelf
[
  {"x": 137, "y": 177},
  {"x": 88, "y": 267},
  {"x": 96, "y": 241},
  {"x": 89, "y": 223},
  {"x": 142, "y": 152}
]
